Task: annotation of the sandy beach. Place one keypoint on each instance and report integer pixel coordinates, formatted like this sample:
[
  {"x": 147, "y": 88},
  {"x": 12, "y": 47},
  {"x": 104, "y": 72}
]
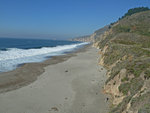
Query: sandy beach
[{"x": 68, "y": 84}]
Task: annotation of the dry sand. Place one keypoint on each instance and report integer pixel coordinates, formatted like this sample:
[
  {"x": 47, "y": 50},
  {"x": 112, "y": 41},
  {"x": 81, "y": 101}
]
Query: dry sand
[{"x": 72, "y": 86}]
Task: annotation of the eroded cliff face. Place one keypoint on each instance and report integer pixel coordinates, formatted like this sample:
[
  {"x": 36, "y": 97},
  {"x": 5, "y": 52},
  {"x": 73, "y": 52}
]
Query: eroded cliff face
[
  {"x": 125, "y": 52},
  {"x": 112, "y": 87}
]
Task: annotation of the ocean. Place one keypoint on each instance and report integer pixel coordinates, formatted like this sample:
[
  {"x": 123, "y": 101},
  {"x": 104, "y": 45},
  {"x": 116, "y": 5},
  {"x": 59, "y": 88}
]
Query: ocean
[{"x": 14, "y": 52}]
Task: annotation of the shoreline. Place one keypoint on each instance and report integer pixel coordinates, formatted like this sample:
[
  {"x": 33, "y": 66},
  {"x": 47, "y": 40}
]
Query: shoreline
[
  {"x": 17, "y": 78},
  {"x": 71, "y": 83}
]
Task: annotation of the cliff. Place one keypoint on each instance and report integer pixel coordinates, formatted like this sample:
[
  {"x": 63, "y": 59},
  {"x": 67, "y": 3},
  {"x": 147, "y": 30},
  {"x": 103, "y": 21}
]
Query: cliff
[{"x": 125, "y": 51}]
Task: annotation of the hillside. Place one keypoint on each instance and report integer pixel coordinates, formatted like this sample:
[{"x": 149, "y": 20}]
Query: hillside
[
  {"x": 94, "y": 37},
  {"x": 85, "y": 38},
  {"x": 125, "y": 52}
]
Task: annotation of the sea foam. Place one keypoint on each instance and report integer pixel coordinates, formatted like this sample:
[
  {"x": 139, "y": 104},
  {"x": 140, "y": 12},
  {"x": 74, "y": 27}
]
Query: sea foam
[{"x": 13, "y": 56}]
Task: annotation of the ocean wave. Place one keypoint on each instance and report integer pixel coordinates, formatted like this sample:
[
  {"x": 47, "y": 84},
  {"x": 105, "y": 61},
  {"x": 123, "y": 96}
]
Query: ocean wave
[{"x": 13, "y": 56}]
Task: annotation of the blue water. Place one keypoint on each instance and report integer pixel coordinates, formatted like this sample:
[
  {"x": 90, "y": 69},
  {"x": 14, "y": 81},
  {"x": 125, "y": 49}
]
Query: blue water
[
  {"x": 18, "y": 51},
  {"x": 31, "y": 43}
]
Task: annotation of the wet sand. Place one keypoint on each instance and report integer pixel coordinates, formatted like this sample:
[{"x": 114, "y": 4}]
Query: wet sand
[{"x": 68, "y": 84}]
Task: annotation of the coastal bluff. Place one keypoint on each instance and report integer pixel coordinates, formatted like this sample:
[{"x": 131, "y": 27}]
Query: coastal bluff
[
  {"x": 93, "y": 37},
  {"x": 125, "y": 53}
]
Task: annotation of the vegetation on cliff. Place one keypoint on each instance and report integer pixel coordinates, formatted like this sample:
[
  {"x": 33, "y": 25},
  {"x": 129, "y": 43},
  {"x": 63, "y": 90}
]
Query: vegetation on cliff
[
  {"x": 126, "y": 45},
  {"x": 135, "y": 10}
]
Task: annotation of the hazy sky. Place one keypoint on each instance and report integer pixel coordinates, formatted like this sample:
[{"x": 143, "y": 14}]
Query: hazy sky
[{"x": 60, "y": 18}]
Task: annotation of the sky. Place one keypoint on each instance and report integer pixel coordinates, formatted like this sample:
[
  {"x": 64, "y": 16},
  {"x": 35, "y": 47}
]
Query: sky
[{"x": 60, "y": 19}]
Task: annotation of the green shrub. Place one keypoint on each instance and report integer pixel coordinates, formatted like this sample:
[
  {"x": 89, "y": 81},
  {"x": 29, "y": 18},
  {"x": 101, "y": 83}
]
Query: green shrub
[
  {"x": 126, "y": 42},
  {"x": 120, "y": 28},
  {"x": 122, "y": 106},
  {"x": 133, "y": 86},
  {"x": 124, "y": 79},
  {"x": 116, "y": 69},
  {"x": 147, "y": 74},
  {"x": 124, "y": 88},
  {"x": 141, "y": 102},
  {"x": 145, "y": 109},
  {"x": 137, "y": 67},
  {"x": 135, "y": 10}
]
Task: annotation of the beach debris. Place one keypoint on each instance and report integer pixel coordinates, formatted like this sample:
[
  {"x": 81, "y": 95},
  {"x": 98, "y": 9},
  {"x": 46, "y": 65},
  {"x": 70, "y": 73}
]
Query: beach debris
[
  {"x": 66, "y": 98},
  {"x": 66, "y": 71},
  {"x": 107, "y": 99},
  {"x": 101, "y": 68},
  {"x": 54, "y": 108},
  {"x": 83, "y": 105}
]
